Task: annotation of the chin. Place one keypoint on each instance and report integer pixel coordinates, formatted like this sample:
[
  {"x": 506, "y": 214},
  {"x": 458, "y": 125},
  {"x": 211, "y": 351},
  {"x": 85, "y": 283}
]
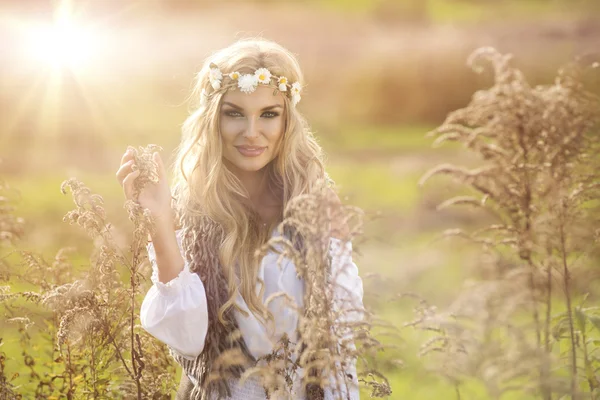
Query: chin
[
  {"x": 248, "y": 165},
  {"x": 252, "y": 167}
]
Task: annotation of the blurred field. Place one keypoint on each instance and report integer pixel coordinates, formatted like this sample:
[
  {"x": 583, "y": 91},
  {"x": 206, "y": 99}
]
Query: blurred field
[{"x": 380, "y": 75}]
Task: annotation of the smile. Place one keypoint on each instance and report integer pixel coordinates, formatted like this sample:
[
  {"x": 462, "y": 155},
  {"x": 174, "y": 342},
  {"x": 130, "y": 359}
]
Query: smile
[{"x": 250, "y": 151}]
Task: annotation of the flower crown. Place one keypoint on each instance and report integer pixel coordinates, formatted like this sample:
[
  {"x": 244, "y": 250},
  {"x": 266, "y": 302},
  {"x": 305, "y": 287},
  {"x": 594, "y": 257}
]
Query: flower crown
[{"x": 248, "y": 83}]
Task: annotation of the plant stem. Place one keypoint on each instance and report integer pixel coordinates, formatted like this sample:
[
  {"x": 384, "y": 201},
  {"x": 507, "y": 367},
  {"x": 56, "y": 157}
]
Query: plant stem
[
  {"x": 546, "y": 367},
  {"x": 70, "y": 369},
  {"x": 569, "y": 311},
  {"x": 133, "y": 280}
]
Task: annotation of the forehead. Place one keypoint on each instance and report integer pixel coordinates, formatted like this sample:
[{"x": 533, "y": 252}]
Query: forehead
[{"x": 262, "y": 97}]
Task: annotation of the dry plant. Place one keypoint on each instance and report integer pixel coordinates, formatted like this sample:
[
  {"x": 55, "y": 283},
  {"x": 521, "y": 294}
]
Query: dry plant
[
  {"x": 334, "y": 330},
  {"x": 95, "y": 347},
  {"x": 11, "y": 229},
  {"x": 539, "y": 179}
]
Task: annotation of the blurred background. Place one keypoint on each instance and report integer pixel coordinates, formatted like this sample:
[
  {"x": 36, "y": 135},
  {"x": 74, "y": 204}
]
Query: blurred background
[{"x": 81, "y": 80}]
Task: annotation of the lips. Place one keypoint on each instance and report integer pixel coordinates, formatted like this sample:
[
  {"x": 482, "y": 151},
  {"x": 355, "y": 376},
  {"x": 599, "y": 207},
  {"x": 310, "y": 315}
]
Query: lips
[
  {"x": 250, "y": 151},
  {"x": 250, "y": 148}
]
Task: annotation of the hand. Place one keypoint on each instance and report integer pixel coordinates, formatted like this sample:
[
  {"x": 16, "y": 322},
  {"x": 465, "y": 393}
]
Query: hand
[{"x": 156, "y": 197}]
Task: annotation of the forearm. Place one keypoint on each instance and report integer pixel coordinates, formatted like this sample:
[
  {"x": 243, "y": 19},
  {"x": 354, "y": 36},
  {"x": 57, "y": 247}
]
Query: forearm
[{"x": 168, "y": 255}]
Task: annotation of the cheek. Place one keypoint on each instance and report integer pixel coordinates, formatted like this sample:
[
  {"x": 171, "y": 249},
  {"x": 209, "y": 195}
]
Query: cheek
[
  {"x": 274, "y": 129},
  {"x": 230, "y": 128}
]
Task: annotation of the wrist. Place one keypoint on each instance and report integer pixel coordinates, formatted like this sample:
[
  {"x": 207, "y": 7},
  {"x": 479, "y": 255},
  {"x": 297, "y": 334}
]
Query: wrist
[
  {"x": 165, "y": 216},
  {"x": 163, "y": 223}
]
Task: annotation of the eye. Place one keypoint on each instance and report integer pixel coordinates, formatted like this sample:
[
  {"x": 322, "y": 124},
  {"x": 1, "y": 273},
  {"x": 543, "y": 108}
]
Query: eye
[
  {"x": 232, "y": 113},
  {"x": 270, "y": 114}
]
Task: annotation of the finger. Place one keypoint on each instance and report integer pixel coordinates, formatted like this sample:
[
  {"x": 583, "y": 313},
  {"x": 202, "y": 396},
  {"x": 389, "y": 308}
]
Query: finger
[
  {"x": 127, "y": 156},
  {"x": 124, "y": 170},
  {"x": 128, "y": 184},
  {"x": 160, "y": 166}
]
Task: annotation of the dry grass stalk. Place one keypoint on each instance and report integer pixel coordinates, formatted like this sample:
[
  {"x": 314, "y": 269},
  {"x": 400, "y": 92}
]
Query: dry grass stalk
[
  {"x": 331, "y": 336},
  {"x": 99, "y": 349},
  {"x": 540, "y": 180}
]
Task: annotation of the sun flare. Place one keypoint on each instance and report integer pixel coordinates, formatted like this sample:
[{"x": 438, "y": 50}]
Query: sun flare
[{"x": 63, "y": 43}]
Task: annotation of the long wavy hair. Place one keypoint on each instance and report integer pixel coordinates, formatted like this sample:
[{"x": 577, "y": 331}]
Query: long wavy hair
[{"x": 204, "y": 186}]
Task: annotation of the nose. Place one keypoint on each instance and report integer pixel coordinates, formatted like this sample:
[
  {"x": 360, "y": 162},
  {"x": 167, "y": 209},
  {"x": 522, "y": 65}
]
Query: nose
[{"x": 252, "y": 129}]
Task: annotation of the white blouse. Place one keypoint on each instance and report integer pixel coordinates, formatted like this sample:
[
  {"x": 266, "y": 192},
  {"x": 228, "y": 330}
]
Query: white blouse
[{"x": 176, "y": 312}]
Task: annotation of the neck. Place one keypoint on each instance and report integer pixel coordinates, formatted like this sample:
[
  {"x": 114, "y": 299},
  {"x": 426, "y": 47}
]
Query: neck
[{"x": 254, "y": 182}]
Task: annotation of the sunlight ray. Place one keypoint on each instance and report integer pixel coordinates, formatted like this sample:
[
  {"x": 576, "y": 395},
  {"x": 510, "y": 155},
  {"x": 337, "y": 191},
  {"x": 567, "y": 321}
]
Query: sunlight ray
[{"x": 26, "y": 104}]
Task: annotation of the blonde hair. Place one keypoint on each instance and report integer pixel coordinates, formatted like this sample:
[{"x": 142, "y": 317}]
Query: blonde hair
[{"x": 202, "y": 185}]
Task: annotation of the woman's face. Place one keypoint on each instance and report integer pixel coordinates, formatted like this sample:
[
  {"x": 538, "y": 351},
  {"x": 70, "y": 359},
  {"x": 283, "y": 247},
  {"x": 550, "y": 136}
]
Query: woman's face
[{"x": 251, "y": 126}]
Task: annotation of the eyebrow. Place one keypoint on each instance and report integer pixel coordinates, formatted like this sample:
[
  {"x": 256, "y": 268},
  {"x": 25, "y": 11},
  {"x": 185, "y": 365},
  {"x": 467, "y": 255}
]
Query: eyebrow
[{"x": 264, "y": 109}]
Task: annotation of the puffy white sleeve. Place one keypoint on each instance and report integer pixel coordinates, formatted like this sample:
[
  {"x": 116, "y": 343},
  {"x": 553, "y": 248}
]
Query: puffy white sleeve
[
  {"x": 348, "y": 301},
  {"x": 176, "y": 312}
]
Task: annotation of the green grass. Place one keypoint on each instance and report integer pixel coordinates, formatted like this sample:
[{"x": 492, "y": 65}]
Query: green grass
[
  {"x": 361, "y": 162},
  {"x": 446, "y": 11},
  {"x": 383, "y": 139},
  {"x": 416, "y": 381},
  {"x": 443, "y": 11},
  {"x": 43, "y": 206},
  {"x": 373, "y": 186}
]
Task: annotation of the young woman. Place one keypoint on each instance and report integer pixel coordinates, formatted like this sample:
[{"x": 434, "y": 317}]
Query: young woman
[{"x": 246, "y": 153}]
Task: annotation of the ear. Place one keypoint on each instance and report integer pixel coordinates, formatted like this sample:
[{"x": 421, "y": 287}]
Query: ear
[{"x": 339, "y": 227}]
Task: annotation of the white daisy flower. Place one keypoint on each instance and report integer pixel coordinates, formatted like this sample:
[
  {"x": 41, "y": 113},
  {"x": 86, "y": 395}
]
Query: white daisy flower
[
  {"x": 215, "y": 74},
  {"x": 234, "y": 75},
  {"x": 295, "y": 99},
  {"x": 247, "y": 83},
  {"x": 296, "y": 88},
  {"x": 282, "y": 83},
  {"x": 263, "y": 75},
  {"x": 215, "y": 77}
]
